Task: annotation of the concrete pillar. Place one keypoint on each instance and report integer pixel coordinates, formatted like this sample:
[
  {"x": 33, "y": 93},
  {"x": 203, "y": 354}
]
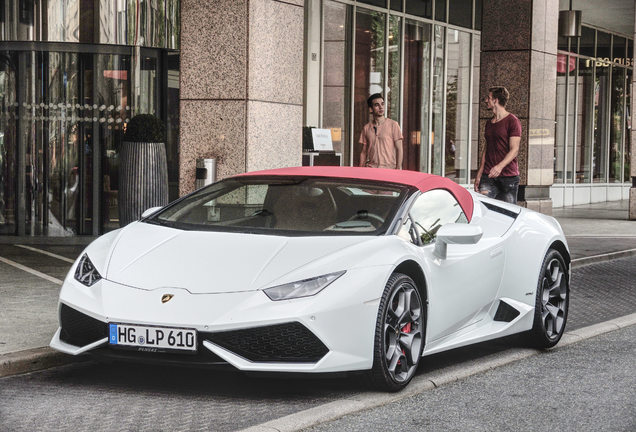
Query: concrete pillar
[
  {"x": 241, "y": 85},
  {"x": 519, "y": 51},
  {"x": 632, "y": 143}
]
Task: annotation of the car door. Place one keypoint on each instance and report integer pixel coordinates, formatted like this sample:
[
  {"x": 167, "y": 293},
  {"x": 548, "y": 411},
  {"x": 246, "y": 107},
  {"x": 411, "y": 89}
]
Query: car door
[{"x": 462, "y": 287}]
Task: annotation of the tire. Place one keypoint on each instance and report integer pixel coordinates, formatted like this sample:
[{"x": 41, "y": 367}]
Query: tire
[
  {"x": 552, "y": 302},
  {"x": 399, "y": 334}
]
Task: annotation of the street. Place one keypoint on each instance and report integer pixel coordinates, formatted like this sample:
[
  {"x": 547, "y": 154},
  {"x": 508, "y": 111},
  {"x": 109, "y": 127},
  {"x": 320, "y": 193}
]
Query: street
[{"x": 570, "y": 387}]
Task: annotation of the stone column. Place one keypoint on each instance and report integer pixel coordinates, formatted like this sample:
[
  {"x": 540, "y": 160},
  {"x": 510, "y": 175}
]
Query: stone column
[
  {"x": 519, "y": 51},
  {"x": 241, "y": 85},
  {"x": 632, "y": 140}
]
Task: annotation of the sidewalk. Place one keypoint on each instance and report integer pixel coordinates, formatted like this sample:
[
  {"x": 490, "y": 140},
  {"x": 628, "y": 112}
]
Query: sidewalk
[{"x": 28, "y": 296}]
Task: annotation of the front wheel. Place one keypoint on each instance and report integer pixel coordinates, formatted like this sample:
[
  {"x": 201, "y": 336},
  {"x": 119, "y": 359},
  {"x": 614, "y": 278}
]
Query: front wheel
[
  {"x": 552, "y": 302},
  {"x": 399, "y": 334}
]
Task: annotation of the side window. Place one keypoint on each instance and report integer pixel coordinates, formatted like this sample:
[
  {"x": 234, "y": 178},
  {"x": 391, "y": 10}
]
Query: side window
[{"x": 432, "y": 210}]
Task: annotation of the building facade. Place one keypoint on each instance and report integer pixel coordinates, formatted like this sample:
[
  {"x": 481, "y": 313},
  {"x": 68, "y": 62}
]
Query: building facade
[
  {"x": 72, "y": 73},
  {"x": 237, "y": 80}
]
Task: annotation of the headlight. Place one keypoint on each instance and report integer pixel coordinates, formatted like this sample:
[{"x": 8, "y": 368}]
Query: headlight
[
  {"x": 303, "y": 288},
  {"x": 86, "y": 273}
]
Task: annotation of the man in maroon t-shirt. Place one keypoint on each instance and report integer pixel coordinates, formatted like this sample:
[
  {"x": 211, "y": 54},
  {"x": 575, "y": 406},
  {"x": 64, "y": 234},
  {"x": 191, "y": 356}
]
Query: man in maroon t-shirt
[{"x": 498, "y": 175}]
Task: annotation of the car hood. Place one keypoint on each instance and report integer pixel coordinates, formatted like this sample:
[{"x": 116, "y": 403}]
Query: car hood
[{"x": 149, "y": 257}]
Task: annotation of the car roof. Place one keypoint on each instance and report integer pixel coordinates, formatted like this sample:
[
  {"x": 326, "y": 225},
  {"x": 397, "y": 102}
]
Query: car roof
[{"x": 423, "y": 181}]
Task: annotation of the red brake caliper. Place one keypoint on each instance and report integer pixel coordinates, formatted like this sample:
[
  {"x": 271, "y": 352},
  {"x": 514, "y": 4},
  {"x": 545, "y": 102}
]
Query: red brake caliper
[{"x": 406, "y": 329}]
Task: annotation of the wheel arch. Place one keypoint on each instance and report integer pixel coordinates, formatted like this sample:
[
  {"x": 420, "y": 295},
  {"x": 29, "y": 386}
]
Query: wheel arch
[
  {"x": 560, "y": 247},
  {"x": 413, "y": 270}
]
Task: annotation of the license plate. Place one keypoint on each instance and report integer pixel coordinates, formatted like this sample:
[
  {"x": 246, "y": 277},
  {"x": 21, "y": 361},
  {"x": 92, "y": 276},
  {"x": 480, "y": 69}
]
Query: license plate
[{"x": 150, "y": 338}]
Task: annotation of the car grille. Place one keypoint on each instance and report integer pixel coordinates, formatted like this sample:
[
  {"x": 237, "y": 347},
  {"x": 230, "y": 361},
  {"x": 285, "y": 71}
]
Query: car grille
[
  {"x": 290, "y": 343},
  {"x": 79, "y": 329}
]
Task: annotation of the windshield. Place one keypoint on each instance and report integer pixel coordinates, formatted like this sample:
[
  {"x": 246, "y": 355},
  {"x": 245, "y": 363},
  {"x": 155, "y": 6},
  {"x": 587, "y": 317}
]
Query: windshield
[{"x": 287, "y": 206}]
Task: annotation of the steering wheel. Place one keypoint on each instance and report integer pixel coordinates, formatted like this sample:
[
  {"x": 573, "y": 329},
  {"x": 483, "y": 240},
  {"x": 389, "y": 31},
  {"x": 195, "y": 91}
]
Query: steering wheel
[{"x": 363, "y": 215}]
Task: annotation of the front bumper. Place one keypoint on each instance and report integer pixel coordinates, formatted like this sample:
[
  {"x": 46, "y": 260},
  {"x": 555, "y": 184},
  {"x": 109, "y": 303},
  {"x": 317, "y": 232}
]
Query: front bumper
[{"x": 330, "y": 332}]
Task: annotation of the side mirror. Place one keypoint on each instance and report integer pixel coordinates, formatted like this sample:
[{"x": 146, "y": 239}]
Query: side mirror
[
  {"x": 149, "y": 211},
  {"x": 455, "y": 234}
]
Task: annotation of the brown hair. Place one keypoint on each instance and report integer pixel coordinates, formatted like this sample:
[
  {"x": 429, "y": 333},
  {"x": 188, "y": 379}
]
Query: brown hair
[{"x": 501, "y": 94}]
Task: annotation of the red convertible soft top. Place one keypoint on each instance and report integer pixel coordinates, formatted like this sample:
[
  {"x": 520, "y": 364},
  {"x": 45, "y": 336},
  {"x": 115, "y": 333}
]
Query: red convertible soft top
[{"x": 422, "y": 181}]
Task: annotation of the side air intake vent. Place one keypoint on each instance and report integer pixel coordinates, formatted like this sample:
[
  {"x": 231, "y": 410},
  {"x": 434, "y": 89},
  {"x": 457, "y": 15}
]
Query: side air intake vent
[{"x": 505, "y": 312}]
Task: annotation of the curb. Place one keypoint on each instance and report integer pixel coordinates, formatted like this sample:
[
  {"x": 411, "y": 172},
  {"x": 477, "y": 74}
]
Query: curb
[
  {"x": 340, "y": 408},
  {"x": 580, "y": 262},
  {"x": 32, "y": 360}
]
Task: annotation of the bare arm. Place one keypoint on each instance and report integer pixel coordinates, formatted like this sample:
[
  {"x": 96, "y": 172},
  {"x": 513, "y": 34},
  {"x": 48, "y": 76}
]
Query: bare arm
[
  {"x": 512, "y": 153},
  {"x": 399, "y": 154},
  {"x": 363, "y": 155},
  {"x": 481, "y": 169}
]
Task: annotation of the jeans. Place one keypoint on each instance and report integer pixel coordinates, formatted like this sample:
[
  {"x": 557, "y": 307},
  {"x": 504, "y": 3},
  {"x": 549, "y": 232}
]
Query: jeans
[{"x": 501, "y": 188}]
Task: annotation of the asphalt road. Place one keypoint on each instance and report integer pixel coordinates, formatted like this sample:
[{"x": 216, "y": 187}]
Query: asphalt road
[
  {"x": 587, "y": 386},
  {"x": 593, "y": 380}
]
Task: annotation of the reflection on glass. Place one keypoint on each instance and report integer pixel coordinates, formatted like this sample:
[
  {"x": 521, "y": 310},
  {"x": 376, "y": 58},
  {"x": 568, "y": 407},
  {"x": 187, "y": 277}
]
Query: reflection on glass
[
  {"x": 393, "y": 95},
  {"x": 8, "y": 147},
  {"x": 415, "y": 127},
  {"x": 457, "y": 106},
  {"x": 438, "y": 101},
  {"x": 148, "y": 76},
  {"x": 336, "y": 81},
  {"x": 616, "y": 124},
  {"x": 603, "y": 45},
  {"x": 369, "y": 67},
  {"x": 112, "y": 22},
  {"x": 584, "y": 121},
  {"x": 113, "y": 93},
  {"x": 173, "y": 18},
  {"x": 560, "y": 138},
  {"x": 572, "y": 126},
  {"x": 474, "y": 141},
  {"x": 63, "y": 21},
  {"x": 601, "y": 128},
  {"x": 628, "y": 127}
]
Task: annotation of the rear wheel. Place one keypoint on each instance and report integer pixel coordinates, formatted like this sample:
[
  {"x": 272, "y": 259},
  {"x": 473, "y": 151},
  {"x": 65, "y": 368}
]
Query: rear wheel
[
  {"x": 399, "y": 334},
  {"x": 552, "y": 302}
]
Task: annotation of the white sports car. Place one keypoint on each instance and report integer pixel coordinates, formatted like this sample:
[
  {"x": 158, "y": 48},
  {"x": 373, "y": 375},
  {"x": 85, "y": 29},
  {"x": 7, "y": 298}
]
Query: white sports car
[{"x": 318, "y": 269}]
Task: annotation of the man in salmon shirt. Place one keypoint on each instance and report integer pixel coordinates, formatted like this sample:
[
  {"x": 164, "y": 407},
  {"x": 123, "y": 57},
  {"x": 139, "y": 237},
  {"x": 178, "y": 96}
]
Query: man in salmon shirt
[
  {"x": 498, "y": 175},
  {"x": 381, "y": 138}
]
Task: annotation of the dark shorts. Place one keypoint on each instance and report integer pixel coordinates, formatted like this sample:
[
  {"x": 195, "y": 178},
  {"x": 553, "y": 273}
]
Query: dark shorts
[{"x": 501, "y": 188}]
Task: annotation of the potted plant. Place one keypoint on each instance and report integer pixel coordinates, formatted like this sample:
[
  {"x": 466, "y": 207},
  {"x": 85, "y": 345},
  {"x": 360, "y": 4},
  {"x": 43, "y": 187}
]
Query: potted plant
[{"x": 143, "y": 169}]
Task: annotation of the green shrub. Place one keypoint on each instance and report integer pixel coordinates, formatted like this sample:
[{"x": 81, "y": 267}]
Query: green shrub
[{"x": 145, "y": 128}]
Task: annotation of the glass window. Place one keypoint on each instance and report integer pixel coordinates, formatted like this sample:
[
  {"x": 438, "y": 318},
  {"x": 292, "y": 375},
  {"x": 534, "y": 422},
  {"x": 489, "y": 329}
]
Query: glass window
[
  {"x": 173, "y": 18},
  {"x": 603, "y": 46},
  {"x": 336, "y": 90},
  {"x": 562, "y": 43},
  {"x": 113, "y": 22},
  {"x": 628, "y": 127},
  {"x": 395, "y": 48},
  {"x": 616, "y": 124},
  {"x": 8, "y": 143},
  {"x": 474, "y": 145},
  {"x": 618, "y": 50},
  {"x": 460, "y": 12},
  {"x": 560, "y": 138},
  {"x": 456, "y": 143},
  {"x": 421, "y": 8},
  {"x": 440, "y": 10},
  {"x": 417, "y": 64},
  {"x": 585, "y": 120},
  {"x": 601, "y": 117},
  {"x": 586, "y": 42},
  {"x": 396, "y": 5},
  {"x": 432, "y": 210},
  {"x": 572, "y": 117},
  {"x": 438, "y": 101},
  {"x": 478, "y": 14},
  {"x": 380, "y": 3},
  {"x": 369, "y": 66},
  {"x": 309, "y": 206},
  {"x": 112, "y": 111}
]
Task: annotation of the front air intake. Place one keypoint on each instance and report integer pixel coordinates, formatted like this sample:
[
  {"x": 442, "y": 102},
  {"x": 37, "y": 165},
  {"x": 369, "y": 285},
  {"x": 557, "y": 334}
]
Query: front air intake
[
  {"x": 289, "y": 343},
  {"x": 79, "y": 329}
]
